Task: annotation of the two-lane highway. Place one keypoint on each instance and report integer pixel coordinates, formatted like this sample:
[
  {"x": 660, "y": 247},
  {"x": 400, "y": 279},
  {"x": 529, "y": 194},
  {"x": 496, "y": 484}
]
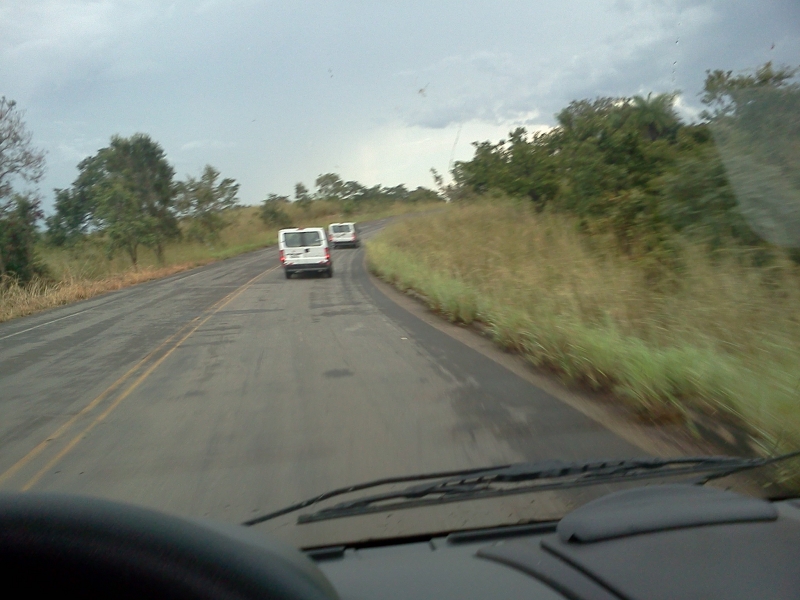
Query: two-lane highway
[{"x": 229, "y": 389}]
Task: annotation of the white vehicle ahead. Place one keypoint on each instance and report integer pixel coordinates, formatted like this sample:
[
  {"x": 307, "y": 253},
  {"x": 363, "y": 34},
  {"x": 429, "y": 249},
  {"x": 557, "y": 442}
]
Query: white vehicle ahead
[
  {"x": 305, "y": 249},
  {"x": 343, "y": 234}
]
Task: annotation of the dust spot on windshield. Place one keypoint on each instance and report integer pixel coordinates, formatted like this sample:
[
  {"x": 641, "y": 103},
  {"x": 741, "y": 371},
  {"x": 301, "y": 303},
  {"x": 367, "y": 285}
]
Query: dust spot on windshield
[{"x": 338, "y": 373}]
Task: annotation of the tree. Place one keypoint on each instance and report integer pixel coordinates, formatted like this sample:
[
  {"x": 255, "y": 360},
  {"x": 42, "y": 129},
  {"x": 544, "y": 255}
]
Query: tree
[
  {"x": 75, "y": 207},
  {"x": 352, "y": 191},
  {"x": 524, "y": 165},
  {"x": 278, "y": 199},
  {"x": 591, "y": 163},
  {"x": 120, "y": 216},
  {"x": 301, "y": 195},
  {"x": 272, "y": 211},
  {"x": 755, "y": 122},
  {"x": 204, "y": 202},
  {"x": 148, "y": 176},
  {"x": 423, "y": 194},
  {"x": 631, "y": 167},
  {"x": 19, "y": 160},
  {"x": 68, "y": 223},
  {"x": 126, "y": 192},
  {"x": 722, "y": 90},
  {"x": 698, "y": 199},
  {"x": 656, "y": 115},
  {"x": 18, "y": 157},
  {"x": 18, "y": 235},
  {"x": 329, "y": 187}
]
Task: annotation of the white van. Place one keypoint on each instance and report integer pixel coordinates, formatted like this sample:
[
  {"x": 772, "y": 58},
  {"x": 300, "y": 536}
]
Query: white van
[
  {"x": 305, "y": 249},
  {"x": 343, "y": 234}
]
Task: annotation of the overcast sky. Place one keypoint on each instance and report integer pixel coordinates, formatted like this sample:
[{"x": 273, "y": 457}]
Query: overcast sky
[{"x": 272, "y": 93}]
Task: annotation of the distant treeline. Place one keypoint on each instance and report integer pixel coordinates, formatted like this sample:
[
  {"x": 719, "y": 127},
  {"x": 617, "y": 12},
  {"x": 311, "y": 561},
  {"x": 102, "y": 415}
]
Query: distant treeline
[
  {"x": 351, "y": 196},
  {"x": 126, "y": 197}
]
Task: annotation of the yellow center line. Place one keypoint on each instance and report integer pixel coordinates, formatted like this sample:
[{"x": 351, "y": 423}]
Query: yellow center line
[
  {"x": 57, "y": 433},
  {"x": 103, "y": 395},
  {"x": 211, "y": 311}
]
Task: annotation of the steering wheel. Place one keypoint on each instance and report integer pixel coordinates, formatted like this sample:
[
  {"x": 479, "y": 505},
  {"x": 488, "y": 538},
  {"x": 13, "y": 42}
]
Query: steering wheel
[{"x": 73, "y": 546}]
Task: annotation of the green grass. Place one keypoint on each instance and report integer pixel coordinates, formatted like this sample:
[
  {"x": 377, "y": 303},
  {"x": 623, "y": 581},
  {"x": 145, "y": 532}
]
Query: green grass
[{"x": 710, "y": 335}]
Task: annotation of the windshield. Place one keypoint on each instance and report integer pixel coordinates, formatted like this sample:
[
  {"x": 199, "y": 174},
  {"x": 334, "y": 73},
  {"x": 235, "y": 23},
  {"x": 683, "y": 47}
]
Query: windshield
[
  {"x": 301, "y": 239},
  {"x": 577, "y": 239}
]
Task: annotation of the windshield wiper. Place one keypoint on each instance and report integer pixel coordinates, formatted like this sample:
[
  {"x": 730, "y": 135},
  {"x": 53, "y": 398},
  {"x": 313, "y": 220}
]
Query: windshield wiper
[{"x": 517, "y": 478}]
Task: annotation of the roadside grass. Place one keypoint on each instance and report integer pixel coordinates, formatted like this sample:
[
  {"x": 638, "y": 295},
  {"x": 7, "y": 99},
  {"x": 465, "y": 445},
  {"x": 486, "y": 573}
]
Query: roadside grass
[
  {"x": 709, "y": 336},
  {"x": 85, "y": 270}
]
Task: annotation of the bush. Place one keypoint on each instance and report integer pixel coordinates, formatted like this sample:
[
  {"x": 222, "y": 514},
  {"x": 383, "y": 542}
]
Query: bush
[
  {"x": 272, "y": 213},
  {"x": 18, "y": 237}
]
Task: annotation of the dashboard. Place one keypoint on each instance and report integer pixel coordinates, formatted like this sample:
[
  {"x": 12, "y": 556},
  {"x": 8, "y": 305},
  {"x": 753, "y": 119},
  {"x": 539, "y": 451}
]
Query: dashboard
[
  {"x": 657, "y": 542},
  {"x": 652, "y": 542}
]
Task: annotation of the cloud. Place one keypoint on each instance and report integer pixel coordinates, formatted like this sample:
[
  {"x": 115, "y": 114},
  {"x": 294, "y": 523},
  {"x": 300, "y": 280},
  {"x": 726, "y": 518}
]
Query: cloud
[
  {"x": 396, "y": 153},
  {"x": 74, "y": 151},
  {"x": 45, "y": 44},
  {"x": 273, "y": 93},
  {"x": 689, "y": 112},
  {"x": 464, "y": 88},
  {"x": 206, "y": 145},
  {"x": 633, "y": 47}
]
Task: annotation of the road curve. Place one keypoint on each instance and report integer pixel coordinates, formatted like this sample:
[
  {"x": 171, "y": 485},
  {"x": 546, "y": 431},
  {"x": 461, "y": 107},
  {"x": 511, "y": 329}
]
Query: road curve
[{"x": 228, "y": 390}]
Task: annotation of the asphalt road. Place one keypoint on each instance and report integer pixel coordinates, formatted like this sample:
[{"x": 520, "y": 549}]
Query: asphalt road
[{"x": 228, "y": 390}]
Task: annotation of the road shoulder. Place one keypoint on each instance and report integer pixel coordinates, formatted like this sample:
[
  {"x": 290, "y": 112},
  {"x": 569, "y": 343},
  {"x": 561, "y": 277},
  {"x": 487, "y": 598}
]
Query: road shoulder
[{"x": 663, "y": 440}]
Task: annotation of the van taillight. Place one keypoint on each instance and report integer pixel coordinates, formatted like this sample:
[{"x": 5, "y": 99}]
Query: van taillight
[
  {"x": 282, "y": 257},
  {"x": 328, "y": 254}
]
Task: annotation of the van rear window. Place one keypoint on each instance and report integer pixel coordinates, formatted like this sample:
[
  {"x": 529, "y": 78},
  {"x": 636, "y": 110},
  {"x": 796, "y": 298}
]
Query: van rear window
[
  {"x": 341, "y": 229},
  {"x": 299, "y": 239}
]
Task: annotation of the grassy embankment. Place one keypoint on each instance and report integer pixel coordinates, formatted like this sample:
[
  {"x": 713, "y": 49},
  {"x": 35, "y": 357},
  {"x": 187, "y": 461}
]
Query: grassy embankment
[
  {"x": 86, "y": 271},
  {"x": 713, "y": 336}
]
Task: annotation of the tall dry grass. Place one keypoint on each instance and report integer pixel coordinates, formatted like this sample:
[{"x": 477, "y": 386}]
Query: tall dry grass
[
  {"x": 707, "y": 333},
  {"x": 19, "y": 301}
]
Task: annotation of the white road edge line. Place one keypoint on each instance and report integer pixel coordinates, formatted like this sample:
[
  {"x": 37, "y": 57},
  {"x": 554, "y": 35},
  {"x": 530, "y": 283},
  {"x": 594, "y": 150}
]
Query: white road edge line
[{"x": 5, "y": 337}]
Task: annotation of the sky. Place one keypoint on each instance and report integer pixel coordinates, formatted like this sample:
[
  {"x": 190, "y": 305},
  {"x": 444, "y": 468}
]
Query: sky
[{"x": 273, "y": 93}]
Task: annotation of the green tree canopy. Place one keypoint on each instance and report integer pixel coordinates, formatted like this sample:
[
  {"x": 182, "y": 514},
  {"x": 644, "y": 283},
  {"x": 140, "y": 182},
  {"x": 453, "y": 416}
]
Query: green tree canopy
[
  {"x": 18, "y": 236},
  {"x": 272, "y": 211},
  {"x": 632, "y": 166},
  {"x": 19, "y": 159},
  {"x": 125, "y": 191},
  {"x": 204, "y": 201},
  {"x": 20, "y": 162},
  {"x": 329, "y": 187},
  {"x": 120, "y": 215},
  {"x": 302, "y": 195},
  {"x": 755, "y": 119},
  {"x": 75, "y": 207}
]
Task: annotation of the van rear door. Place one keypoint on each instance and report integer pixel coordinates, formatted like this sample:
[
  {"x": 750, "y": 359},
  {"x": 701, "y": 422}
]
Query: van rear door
[
  {"x": 304, "y": 247},
  {"x": 341, "y": 233}
]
